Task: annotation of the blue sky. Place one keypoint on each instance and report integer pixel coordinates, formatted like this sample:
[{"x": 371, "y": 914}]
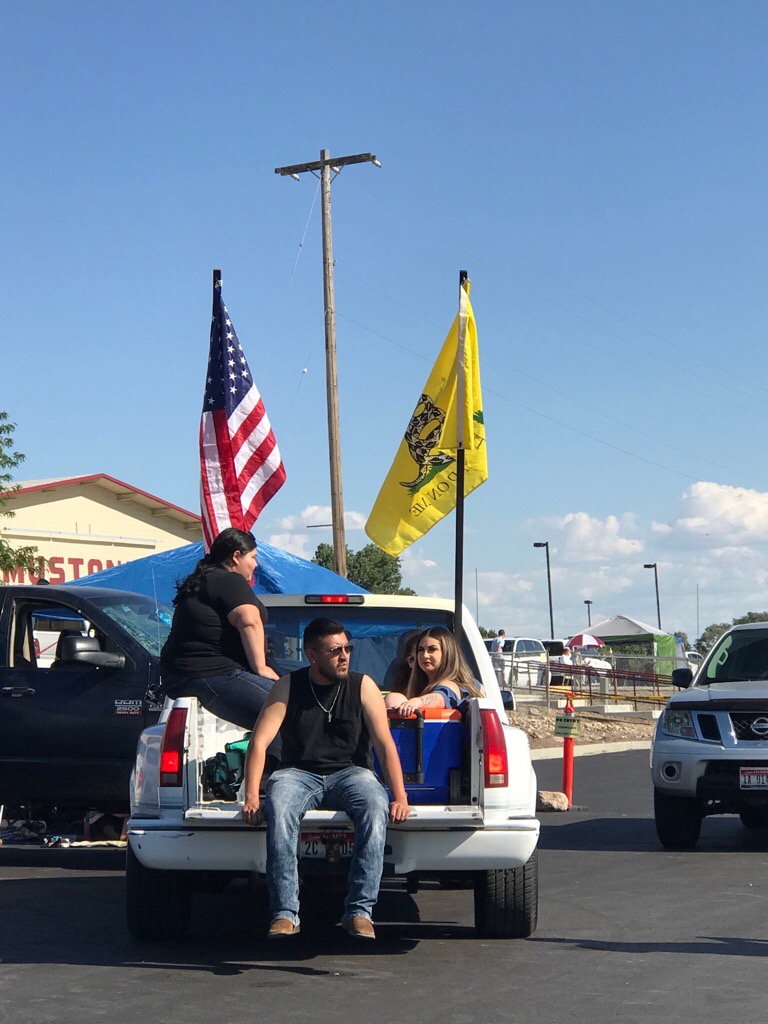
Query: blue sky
[{"x": 599, "y": 169}]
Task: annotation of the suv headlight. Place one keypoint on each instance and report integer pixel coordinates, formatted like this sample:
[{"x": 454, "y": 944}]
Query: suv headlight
[{"x": 678, "y": 723}]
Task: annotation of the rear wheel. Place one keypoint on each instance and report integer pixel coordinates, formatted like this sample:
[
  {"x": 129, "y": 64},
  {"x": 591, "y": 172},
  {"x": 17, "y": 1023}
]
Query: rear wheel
[
  {"x": 754, "y": 817},
  {"x": 678, "y": 820},
  {"x": 507, "y": 902},
  {"x": 157, "y": 902}
]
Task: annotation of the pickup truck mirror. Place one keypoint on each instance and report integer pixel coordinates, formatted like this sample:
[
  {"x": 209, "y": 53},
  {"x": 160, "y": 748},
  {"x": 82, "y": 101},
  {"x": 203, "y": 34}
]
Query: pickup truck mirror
[
  {"x": 508, "y": 700},
  {"x": 682, "y": 677},
  {"x": 85, "y": 650}
]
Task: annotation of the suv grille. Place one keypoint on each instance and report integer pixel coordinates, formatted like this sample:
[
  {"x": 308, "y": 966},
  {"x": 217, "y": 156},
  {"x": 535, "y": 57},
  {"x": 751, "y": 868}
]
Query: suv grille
[{"x": 752, "y": 727}]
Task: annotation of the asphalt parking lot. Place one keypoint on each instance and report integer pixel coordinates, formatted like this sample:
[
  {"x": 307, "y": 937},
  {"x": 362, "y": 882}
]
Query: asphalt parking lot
[{"x": 627, "y": 932}]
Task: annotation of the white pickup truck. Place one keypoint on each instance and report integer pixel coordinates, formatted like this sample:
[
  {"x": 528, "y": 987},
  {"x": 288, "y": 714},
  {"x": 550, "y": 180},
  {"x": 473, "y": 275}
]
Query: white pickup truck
[{"x": 473, "y": 791}]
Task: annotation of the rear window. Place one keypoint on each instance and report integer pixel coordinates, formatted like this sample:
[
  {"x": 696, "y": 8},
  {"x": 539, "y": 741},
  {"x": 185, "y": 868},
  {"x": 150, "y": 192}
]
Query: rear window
[{"x": 375, "y": 633}]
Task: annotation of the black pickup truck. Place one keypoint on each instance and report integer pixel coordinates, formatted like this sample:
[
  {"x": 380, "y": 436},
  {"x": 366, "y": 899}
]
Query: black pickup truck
[{"x": 79, "y": 671}]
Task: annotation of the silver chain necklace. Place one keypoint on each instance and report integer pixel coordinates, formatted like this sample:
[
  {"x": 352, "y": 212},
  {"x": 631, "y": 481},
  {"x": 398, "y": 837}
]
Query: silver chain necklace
[{"x": 328, "y": 711}]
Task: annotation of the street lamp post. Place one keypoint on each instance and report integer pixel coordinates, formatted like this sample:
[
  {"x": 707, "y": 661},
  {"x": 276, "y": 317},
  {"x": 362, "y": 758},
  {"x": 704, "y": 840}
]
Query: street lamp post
[
  {"x": 589, "y": 612},
  {"x": 654, "y": 566},
  {"x": 545, "y": 544}
]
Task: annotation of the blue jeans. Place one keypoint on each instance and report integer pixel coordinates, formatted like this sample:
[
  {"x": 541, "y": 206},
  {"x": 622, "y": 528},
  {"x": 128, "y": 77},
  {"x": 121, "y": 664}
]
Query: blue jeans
[
  {"x": 292, "y": 792},
  {"x": 237, "y": 696}
]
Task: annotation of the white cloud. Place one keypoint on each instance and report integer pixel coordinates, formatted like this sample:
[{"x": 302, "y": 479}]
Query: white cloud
[
  {"x": 317, "y": 515},
  {"x": 586, "y": 539},
  {"x": 731, "y": 515},
  {"x": 411, "y": 561},
  {"x": 293, "y": 533},
  {"x": 295, "y": 543},
  {"x": 710, "y": 551}
]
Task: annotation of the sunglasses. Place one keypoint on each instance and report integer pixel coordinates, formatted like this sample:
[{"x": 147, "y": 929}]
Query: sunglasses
[{"x": 334, "y": 652}]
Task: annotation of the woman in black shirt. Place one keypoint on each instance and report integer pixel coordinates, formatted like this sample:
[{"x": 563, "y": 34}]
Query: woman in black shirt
[{"x": 216, "y": 650}]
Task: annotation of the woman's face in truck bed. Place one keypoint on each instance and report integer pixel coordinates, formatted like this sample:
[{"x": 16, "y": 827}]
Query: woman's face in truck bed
[{"x": 430, "y": 655}]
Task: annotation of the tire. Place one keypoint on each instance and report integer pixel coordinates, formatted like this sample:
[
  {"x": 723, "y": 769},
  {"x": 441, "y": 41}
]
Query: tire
[
  {"x": 507, "y": 902},
  {"x": 754, "y": 817},
  {"x": 158, "y": 903},
  {"x": 678, "y": 820},
  {"x": 209, "y": 881}
]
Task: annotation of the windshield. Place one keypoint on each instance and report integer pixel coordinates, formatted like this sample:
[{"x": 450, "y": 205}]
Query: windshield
[
  {"x": 737, "y": 657},
  {"x": 374, "y": 632},
  {"x": 146, "y": 620}
]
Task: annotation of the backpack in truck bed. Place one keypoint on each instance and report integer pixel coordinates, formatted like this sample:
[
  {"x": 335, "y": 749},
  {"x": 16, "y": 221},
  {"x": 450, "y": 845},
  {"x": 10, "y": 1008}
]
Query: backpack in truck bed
[{"x": 223, "y": 773}]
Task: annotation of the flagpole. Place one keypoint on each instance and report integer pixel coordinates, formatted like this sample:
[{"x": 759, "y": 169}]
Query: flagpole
[{"x": 460, "y": 389}]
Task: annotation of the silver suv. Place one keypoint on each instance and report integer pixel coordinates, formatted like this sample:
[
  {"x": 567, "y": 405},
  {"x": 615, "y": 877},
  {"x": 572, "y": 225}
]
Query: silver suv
[{"x": 710, "y": 750}]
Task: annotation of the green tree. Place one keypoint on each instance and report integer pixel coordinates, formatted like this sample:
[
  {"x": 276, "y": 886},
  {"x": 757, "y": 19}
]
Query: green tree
[
  {"x": 370, "y": 567},
  {"x": 682, "y": 636},
  {"x": 10, "y": 558},
  {"x": 712, "y": 633},
  {"x": 709, "y": 637},
  {"x": 487, "y": 634},
  {"x": 751, "y": 617}
]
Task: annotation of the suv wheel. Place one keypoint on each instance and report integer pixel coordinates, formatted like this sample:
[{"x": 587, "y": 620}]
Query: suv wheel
[
  {"x": 678, "y": 820},
  {"x": 754, "y": 817}
]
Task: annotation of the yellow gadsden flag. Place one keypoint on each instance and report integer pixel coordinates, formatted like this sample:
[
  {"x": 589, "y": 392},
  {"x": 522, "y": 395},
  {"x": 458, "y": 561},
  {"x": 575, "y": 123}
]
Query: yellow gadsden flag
[{"x": 421, "y": 486}]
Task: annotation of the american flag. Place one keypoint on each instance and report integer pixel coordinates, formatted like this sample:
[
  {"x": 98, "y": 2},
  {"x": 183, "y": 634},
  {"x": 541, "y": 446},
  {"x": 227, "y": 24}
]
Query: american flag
[{"x": 240, "y": 463}]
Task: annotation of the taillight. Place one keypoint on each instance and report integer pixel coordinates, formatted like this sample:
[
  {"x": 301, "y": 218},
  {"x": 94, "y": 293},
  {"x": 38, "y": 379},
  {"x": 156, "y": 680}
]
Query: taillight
[
  {"x": 172, "y": 749},
  {"x": 494, "y": 750}
]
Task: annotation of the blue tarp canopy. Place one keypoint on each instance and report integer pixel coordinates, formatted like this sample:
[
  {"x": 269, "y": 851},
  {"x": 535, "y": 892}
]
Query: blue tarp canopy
[{"x": 278, "y": 573}]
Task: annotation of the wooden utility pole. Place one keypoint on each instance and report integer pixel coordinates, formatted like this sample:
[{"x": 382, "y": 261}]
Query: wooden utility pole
[{"x": 325, "y": 165}]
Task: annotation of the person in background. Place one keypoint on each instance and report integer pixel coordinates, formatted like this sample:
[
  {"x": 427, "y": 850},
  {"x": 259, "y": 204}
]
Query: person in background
[
  {"x": 567, "y": 657},
  {"x": 558, "y": 677},
  {"x": 399, "y": 673},
  {"x": 440, "y": 678},
  {"x": 216, "y": 650},
  {"x": 497, "y": 656}
]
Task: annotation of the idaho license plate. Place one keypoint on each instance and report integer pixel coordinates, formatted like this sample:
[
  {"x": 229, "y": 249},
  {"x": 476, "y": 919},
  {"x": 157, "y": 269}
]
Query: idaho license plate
[
  {"x": 753, "y": 778},
  {"x": 327, "y": 845}
]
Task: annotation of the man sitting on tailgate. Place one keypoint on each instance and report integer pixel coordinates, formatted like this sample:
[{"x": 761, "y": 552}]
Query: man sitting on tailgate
[{"x": 326, "y": 717}]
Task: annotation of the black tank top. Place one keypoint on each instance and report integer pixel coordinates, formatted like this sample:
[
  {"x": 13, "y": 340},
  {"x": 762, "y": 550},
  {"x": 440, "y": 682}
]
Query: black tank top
[{"x": 313, "y": 743}]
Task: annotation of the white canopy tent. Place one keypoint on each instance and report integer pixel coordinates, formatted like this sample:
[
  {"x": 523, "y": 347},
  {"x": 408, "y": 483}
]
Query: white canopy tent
[{"x": 622, "y": 629}]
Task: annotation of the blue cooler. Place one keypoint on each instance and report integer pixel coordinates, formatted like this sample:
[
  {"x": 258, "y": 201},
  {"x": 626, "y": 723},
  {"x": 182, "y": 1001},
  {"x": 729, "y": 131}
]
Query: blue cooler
[{"x": 429, "y": 744}]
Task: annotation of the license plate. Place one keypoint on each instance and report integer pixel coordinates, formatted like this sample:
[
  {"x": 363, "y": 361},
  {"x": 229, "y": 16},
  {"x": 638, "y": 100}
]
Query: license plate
[
  {"x": 753, "y": 778},
  {"x": 331, "y": 846}
]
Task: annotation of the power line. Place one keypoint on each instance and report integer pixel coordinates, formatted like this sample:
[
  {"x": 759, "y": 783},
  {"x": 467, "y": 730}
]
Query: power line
[
  {"x": 299, "y": 251},
  {"x": 482, "y": 261},
  {"x": 542, "y": 270},
  {"x": 535, "y": 412}
]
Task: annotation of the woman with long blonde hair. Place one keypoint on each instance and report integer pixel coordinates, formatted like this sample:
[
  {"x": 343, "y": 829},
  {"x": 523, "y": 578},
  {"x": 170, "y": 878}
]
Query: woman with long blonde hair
[{"x": 440, "y": 677}]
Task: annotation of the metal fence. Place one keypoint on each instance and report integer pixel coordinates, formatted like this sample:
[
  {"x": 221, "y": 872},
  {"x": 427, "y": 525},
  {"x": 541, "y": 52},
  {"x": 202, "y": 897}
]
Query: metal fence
[{"x": 628, "y": 679}]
